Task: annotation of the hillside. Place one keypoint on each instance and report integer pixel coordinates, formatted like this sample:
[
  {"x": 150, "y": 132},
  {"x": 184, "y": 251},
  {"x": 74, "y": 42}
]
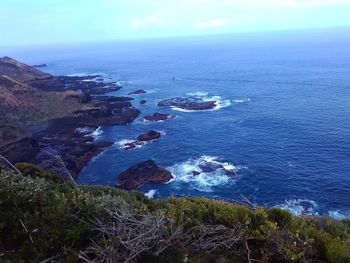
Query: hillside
[
  {"x": 41, "y": 112},
  {"x": 27, "y": 74},
  {"x": 45, "y": 219},
  {"x": 21, "y": 105}
]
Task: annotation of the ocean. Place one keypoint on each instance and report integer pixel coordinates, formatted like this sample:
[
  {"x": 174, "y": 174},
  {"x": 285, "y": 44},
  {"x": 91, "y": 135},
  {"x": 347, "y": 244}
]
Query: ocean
[{"x": 282, "y": 121}]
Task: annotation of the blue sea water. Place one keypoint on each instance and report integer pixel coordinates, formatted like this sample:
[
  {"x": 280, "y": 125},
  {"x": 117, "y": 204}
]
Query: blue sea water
[{"x": 283, "y": 124}]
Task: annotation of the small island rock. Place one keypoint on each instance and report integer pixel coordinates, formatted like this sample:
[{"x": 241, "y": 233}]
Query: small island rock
[{"x": 145, "y": 172}]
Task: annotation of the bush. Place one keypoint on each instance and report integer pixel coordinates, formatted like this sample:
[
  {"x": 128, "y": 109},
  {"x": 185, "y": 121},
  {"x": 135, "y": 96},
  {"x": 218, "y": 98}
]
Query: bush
[{"x": 43, "y": 217}]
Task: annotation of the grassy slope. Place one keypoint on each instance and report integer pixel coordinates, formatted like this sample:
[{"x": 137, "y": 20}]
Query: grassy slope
[
  {"x": 22, "y": 105},
  {"x": 42, "y": 218}
]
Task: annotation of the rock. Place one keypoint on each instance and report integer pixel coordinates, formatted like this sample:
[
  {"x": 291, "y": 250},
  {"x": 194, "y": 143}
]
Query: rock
[
  {"x": 230, "y": 172},
  {"x": 195, "y": 173},
  {"x": 39, "y": 65},
  {"x": 129, "y": 145},
  {"x": 149, "y": 136},
  {"x": 142, "y": 102},
  {"x": 103, "y": 144},
  {"x": 209, "y": 167},
  {"x": 159, "y": 117},
  {"x": 90, "y": 84},
  {"x": 142, "y": 173},
  {"x": 38, "y": 112},
  {"x": 190, "y": 103},
  {"x": 140, "y": 91}
]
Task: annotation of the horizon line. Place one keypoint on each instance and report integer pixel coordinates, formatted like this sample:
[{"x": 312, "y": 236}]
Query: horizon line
[{"x": 87, "y": 42}]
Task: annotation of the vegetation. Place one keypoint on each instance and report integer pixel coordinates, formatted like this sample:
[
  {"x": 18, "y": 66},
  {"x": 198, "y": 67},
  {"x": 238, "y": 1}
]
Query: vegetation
[{"x": 43, "y": 218}]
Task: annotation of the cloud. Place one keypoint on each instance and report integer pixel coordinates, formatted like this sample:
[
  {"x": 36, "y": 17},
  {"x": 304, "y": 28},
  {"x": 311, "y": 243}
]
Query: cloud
[
  {"x": 145, "y": 22},
  {"x": 212, "y": 23}
]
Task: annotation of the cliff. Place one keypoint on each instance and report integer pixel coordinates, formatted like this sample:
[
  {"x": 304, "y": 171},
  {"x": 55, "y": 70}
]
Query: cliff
[{"x": 40, "y": 111}]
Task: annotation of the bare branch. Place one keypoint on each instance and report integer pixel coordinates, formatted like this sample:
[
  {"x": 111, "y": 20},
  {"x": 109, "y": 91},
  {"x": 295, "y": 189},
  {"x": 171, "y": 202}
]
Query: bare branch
[{"x": 8, "y": 164}]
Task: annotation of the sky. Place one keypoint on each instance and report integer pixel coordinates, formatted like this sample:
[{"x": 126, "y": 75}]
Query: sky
[{"x": 33, "y": 22}]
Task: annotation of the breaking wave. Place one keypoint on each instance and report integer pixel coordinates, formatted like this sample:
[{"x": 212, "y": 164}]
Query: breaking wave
[
  {"x": 192, "y": 172},
  {"x": 203, "y": 95},
  {"x": 242, "y": 100},
  {"x": 150, "y": 194},
  {"x": 300, "y": 207},
  {"x": 89, "y": 132},
  {"x": 198, "y": 93},
  {"x": 339, "y": 215}
]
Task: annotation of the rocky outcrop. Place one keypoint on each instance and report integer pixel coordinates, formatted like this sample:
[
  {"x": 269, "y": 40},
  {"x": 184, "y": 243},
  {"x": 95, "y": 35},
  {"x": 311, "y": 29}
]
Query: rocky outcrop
[
  {"x": 212, "y": 166},
  {"x": 142, "y": 173},
  {"x": 91, "y": 84},
  {"x": 34, "y": 118},
  {"x": 141, "y": 140},
  {"x": 149, "y": 136},
  {"x": 159, "y": 117},
  {"x": 190, "y": 103},
  {"x": 39, "y": 65},
  {"x": 140, "y": 91},
  {"x": 75, "y": 149},
  {"x": 209, "y": 167}
]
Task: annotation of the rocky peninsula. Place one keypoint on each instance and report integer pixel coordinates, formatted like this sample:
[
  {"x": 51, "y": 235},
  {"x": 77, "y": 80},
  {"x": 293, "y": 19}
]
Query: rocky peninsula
[{"x": 42, "y": 113}]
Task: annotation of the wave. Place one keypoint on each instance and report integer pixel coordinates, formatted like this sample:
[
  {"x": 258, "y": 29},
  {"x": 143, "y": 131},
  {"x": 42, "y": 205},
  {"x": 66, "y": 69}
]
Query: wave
[
  {"x": 300, "y": 207},
  {"x": 150, "y": 194},
  {"x": 89, "y": 132},
  {"x": 242, "y": 100},
  {"x": 220, "y": 103},
  {"x": 96, "y": 133},
  {"x": 123, "y": 144},
  {"x": 123, "y": 82},
  {"x": 339, "y": 215},
  {"x": 204, "y": 173},
  {"x": 84, "y": 74},
  {"x": 198, "y": 93}
]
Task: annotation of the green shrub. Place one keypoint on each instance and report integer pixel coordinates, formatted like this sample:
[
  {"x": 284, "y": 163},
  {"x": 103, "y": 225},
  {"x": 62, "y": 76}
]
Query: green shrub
[
  {"x": 42, "y": 217},
  {"x": 283, "y": 218}
]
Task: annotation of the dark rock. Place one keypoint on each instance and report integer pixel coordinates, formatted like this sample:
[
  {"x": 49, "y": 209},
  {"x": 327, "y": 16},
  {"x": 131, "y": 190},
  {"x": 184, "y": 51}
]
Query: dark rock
[
  {"x": 142, "y": 102},
  {"x": 149, "y": 136},
  {"x": 130, "y": 145},
  {"x": 230, "y": 172},
  {"x": 159, "y": 117},
  {"x": 195, "y": 173},
  {"x": 190, "y": 103},
  {"x": 53, "y": 127},
  {"x": 140, "y": 91},
  {"x": 209, "y": 167},
  {"x": 39, "y": 65},
  {"x": 103, "y": 144},
  {"x": 142, "y": 173},
  {"x": 91, "y": 84}
]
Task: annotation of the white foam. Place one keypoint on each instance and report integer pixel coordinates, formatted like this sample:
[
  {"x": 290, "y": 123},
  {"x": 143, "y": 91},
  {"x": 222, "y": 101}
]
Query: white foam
[
  {"x": 339, "y": 215},
  {"x": 97, "y": 79},
  {"x": 204, "y": 181},
  {"x": 77, "y": 75},
  {"x": 162, "y": 132},
  {"x": 123, "y": 82},
  {"x": 300, "y": 207},
  {"x": 150, "y": 194},
  {"x": 138, "y": 144},
  {"x": 89, "y": 132},
  {"x": 242, "y": 100},
  {"x": 184, "y": 110},
  {"x": 122, "y": 143},
  {"x": 96, "y": 133},
  {"x": 198, "y": 93}
]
